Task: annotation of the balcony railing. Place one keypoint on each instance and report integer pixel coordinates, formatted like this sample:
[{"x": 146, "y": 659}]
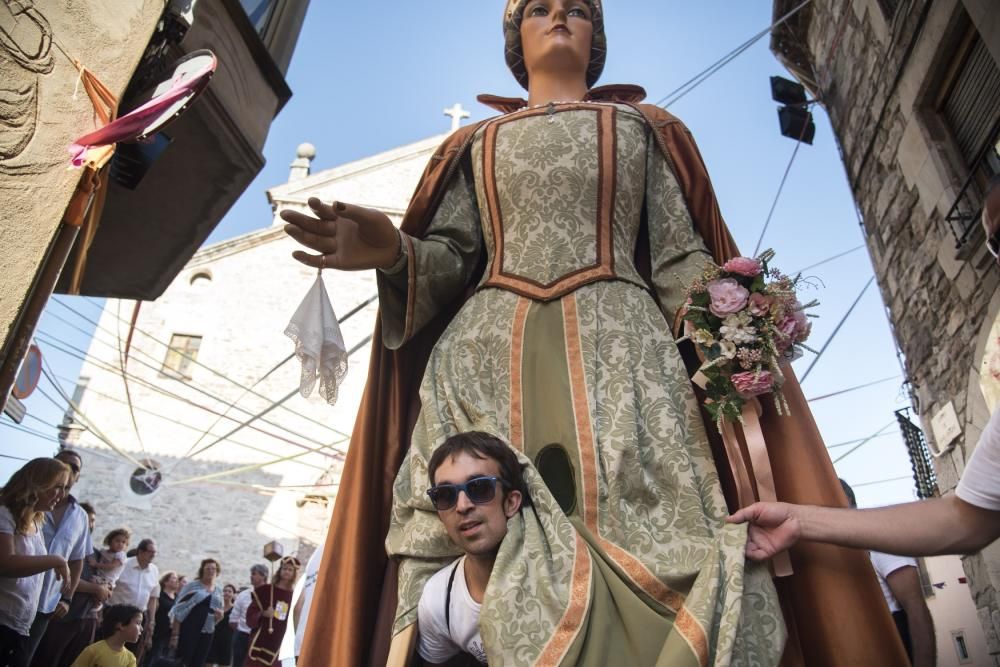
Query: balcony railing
[{"x": 964, "y": 215}]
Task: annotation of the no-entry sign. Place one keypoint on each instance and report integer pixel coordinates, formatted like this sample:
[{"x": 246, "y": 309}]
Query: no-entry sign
[{"x": 31, "y": 371}]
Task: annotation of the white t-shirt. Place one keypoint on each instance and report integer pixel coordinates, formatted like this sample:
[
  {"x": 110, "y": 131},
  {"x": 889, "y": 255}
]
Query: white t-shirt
[
  {"x": 437, "y": 641},
  {"x": 19, "y": 595},
  {"x": 308, "y": 588},
  {"x": 886, "y": 564},
  {"x": 136, "y": 585},
  {"x": 980, "y": 483},
  {"x": 239, "y": 613}
]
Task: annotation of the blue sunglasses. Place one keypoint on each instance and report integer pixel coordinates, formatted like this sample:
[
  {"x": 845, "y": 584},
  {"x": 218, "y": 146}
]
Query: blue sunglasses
[{"x": 479, "y": 490}]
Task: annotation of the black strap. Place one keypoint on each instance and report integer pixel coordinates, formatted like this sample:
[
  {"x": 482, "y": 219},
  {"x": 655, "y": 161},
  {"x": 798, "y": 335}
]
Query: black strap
[{"x": 447, "y": 598}]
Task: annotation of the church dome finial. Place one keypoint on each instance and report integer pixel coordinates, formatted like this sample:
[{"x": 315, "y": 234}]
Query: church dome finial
[
  {"x": 304, "y": 155},
  {"x": 306, "y": 150}
]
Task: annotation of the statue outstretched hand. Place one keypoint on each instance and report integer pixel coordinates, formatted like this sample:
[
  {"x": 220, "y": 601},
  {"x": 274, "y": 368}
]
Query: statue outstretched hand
[
  {"x": 774, "y": 527},
  {"x": 348, "y": 237}
]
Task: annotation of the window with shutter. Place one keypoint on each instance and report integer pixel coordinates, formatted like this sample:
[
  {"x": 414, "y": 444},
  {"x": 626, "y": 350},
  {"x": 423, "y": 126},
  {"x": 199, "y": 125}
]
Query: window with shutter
[{"x": 969, "y": 105}]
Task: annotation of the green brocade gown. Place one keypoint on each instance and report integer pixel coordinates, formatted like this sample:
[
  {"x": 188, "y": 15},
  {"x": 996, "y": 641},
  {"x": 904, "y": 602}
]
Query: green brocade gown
[{"x": 623, "y": 556}]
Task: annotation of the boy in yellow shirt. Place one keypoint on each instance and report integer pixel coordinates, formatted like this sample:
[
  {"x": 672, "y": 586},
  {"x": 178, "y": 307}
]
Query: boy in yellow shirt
[{"x": 122, "y": 625}]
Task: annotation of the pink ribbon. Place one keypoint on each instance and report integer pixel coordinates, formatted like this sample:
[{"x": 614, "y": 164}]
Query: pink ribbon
[
  {"x": 763, "y": 476},
  {"x": 133, "y": 123}
]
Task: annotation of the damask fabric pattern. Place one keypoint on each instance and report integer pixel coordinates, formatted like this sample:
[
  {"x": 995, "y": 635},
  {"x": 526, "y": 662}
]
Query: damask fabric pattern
[{"x": 636, "y": 538}]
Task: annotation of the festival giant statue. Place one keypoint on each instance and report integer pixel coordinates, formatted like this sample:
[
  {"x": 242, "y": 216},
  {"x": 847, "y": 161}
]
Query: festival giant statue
[{"x": 531, "y": 292}]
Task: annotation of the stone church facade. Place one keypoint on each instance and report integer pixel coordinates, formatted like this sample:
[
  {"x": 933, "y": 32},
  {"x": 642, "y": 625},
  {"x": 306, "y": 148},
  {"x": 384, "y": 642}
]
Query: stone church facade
[
  {"x": 912, "y": 88},
  {"x": 244, "y": 459}
]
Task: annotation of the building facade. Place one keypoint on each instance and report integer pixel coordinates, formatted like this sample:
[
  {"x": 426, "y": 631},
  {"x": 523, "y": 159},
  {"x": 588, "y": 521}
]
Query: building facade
[
  {"x": 68, "y": 69},
  {"x": 210, "y": 449},
  {"x": 912, "y": 88}
]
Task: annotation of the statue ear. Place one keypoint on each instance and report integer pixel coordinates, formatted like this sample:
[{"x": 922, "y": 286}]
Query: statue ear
[{"x": 512, "y": 503}]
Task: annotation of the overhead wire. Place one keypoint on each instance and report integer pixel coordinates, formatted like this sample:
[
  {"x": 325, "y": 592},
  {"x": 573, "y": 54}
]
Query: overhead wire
[
  {"x": 781, "y": 187},
  {"x": 882, "y": 481},
  {"x": 196, "y": 363},
  {"x": 336, "y": 453},
  {"x": 864, "y": 442},
  {"x": 695, "y": 81},
  {"x": 836, "y": 330},
  {"x": 847, "y": 443},
  {"x": 851, "y": 389},
  {"x": 173, "y": 420},
  {"x": 193, "y": 385},
  {"x": 274, "y": 368},
  {"x": 93, "y": 428},
  {"x": 123, "y": 361},
  {"x": 828, "y": 259}
]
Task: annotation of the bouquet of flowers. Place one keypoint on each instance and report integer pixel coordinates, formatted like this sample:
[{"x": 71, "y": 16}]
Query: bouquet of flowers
[{"x": 745, "y": 320}]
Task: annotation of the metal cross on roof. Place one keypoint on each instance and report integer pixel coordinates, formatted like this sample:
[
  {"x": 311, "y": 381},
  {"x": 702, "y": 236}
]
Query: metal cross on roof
[{"x": 457, "y": 113}]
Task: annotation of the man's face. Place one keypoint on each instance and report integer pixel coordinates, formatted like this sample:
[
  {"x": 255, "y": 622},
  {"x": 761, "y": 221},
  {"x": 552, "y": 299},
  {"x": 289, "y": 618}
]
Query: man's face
[
  {"x": 476, "y": 529},
  {"x": 257, "y": 579},
  {"x": 145, "y": 556},
  {"x": 75, "y": 463}
]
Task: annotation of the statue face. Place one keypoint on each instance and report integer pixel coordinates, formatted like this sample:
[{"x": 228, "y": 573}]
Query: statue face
[{"x": 556, "y": 36}]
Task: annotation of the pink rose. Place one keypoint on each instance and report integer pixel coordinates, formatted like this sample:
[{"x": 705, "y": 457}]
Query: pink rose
[
  {"x": 744, "y": 266},
  {"x": 787, "y": 329},
  {"x": 759, "y": 304},
  {"x": 752, "y": 383},
  {"x": 728, "y": 297}
]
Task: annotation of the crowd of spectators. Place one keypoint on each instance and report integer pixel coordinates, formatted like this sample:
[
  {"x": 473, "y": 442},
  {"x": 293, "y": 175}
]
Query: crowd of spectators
[{"x": 68, "y": 602}]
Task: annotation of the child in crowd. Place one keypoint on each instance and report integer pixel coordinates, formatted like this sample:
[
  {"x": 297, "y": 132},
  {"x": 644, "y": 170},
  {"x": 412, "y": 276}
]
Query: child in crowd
[
  {"x": 110, "y": 562},
  {"x": 122, "y": 625}
]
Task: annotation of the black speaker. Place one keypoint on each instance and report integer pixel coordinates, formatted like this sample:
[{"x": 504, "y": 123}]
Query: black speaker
[{"x": 797, "y": 123}]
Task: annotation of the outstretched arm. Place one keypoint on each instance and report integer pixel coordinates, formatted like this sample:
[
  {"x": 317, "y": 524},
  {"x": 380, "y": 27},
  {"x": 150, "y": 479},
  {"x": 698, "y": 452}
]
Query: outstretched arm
[{"x": 947, "y": 525}]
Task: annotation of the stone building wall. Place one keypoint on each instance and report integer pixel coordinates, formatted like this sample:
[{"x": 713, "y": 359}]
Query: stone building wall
[
  {"x": 877, "y": 73},
  {"x": 42, "y": 115}
]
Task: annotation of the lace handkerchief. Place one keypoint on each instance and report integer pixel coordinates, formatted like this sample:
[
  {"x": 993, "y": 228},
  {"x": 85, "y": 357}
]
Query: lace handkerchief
[{"x": 319, "y": 344}]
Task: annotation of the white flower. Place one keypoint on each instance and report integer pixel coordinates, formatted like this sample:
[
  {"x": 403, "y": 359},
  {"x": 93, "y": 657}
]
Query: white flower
[
  {"x": 736, "y": 328},
  {"x": 727, "y": 349}
]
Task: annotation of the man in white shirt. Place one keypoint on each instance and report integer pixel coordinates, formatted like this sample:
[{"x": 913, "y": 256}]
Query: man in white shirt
[
  {"x": 238, "y": 616},
  {"x": 466, "y": 472},
  {"x": 899, "y": 579},
  {"x": 139, "y": 586}
]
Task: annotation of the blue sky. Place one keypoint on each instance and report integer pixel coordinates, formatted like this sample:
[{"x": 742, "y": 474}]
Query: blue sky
[{"x": 369, "y": 76}]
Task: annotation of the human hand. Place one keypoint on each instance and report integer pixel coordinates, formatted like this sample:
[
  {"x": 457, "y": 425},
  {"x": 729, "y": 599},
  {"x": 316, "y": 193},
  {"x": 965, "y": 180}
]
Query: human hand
[
  {"x": 773, "y": 528},
  {"x": 103, "y": 593},
  {"x": 61, "y": 568},
  {"x": 218, "y": 613},
  {"x": 348, "y": 237},
  {"x": 60, "y": 609},
  {"x": 267, "y": 613}
]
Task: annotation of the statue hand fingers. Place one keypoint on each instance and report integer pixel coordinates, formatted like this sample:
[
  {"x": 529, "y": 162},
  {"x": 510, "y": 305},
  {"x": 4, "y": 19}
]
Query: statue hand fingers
[{"x": 315, "y": 261}]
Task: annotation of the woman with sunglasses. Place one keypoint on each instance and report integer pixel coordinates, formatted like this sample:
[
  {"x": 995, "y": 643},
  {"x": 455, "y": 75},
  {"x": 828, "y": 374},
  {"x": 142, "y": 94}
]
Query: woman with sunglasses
[
  {"x": 532, "y": 291},
  {"x": 30, "y": 492},
  {"x": 267, "y": 615}
]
